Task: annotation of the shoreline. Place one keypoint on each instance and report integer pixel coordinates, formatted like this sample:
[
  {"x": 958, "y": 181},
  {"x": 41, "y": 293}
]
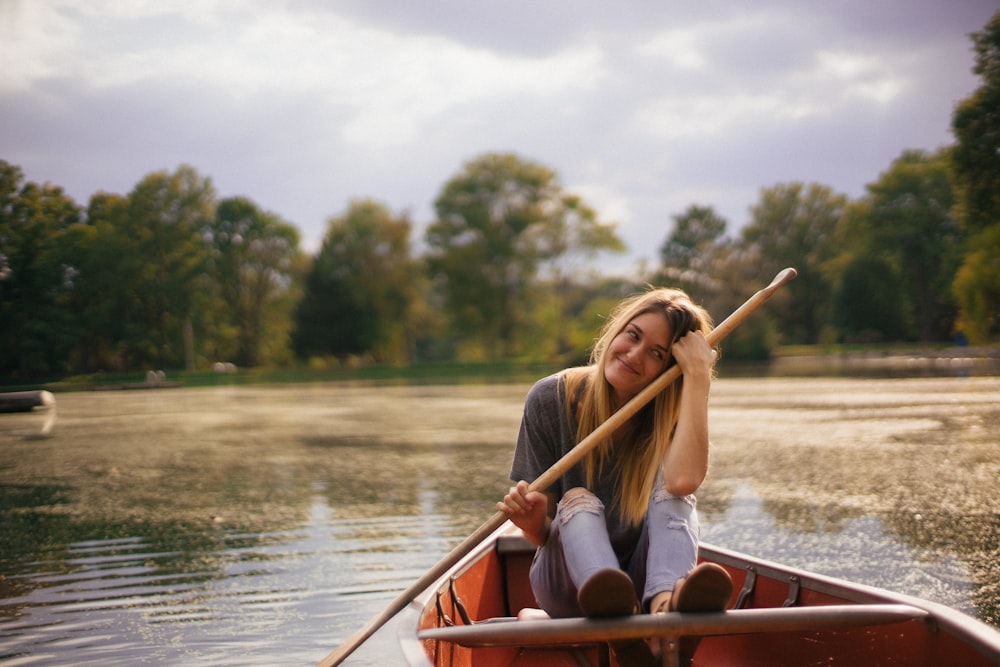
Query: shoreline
[{"x": 890, "y": 361}]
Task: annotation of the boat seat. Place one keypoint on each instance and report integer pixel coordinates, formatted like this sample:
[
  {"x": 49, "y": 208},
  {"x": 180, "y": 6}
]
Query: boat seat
[{"x": 576, "y": 631}]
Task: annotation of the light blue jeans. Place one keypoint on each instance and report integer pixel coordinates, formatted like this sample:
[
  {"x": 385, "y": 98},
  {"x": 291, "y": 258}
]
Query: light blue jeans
[{"x": 578, "y": 545}]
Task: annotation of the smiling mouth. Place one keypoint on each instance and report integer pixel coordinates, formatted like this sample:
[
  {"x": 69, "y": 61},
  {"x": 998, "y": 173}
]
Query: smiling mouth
[{"x": 627, "y": 366}]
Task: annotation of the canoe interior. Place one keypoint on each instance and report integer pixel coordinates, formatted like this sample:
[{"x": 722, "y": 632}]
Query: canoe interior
[{"x": 492, "y": 583}]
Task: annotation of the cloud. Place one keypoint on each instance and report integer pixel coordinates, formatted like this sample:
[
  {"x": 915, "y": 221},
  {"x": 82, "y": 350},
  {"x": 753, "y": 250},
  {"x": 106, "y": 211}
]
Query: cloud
[{"x": 642, "y": 108}]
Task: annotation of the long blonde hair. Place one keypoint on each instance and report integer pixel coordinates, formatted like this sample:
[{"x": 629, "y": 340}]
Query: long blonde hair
[{"x": 649, "y": 431}]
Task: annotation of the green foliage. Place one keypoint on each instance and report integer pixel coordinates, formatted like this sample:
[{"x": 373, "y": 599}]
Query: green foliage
[
  {"x": 500, "y": 221},
  {"x": 491, "y": 232},
  {"x": 107, "y": 299},
  {"x": 138, "y": 282},
  {"x": 755, "y": 340},
  {"x": 695, "y": 233},
  {"x": 253, "y": 256},
  {"x": 910, "y": 226},
  {"x": 166, "y": 261},
  {"x": 360, "y": 289},
  {"x": 977, "y": 287},
  {"x": 976, "y": 164},
  {"x": 976, "y": 125},
  {"x": 899, "y": 247},
  {"x": 866, "y": 306},
  {"x": 792, "y": 225},
  {"x": 693, "y": 254},
  {"x": 37, "y": 276}
]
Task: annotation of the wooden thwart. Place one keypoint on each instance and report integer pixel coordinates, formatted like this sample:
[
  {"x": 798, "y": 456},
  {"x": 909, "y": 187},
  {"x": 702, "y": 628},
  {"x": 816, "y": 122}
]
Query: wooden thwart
[{"x": 575, "y": 631}]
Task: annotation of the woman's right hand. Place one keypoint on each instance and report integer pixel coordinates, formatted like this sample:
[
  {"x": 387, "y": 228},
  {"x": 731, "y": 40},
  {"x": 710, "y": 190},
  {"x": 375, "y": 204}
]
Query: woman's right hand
[{"x": 528, "y": 510}]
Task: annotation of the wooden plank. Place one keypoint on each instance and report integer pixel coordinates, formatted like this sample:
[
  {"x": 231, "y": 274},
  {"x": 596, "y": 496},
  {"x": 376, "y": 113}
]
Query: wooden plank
[{"x": 575, "y": 631}]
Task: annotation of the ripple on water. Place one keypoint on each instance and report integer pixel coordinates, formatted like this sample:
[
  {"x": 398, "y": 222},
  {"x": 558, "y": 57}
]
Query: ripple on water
[
  {"x": 120, "y": 601},
  {"x": 859, "y": 549}
]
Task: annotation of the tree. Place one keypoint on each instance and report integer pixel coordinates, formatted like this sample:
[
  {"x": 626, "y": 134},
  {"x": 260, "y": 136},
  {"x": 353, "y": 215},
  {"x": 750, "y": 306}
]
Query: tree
[
  {"x": 911, "y": 228},
  {"x": 792, "y": 225},
  {"x": 688, "y": 253},
  {"x": 867, "y": 307},
  {"x": 977, "y": 287},
  {"x": 105, "y": 297},
  {"x": 563, "y": 276},
  {"x": 720, "y": 275},
  {"x": 167, "y": 266},
  {"x": 360, "y": 288},
  {"x": 499, "y": 221},
  {"x": 976, "y": 164},
  {"x": 37, "y": 275},
  {"x": 695, "y": 230},
  {"x": 901, "y": 243},
  {"x": 253, "y": 255}
]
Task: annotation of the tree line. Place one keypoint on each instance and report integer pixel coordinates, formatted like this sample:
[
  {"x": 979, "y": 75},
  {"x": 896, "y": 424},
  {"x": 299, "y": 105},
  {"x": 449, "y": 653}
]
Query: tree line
[{"x": 170, "y": 276}]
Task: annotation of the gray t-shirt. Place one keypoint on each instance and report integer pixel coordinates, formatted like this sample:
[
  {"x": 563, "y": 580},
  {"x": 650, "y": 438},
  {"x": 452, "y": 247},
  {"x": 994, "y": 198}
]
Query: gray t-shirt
[{"x": 546, "y": 435}]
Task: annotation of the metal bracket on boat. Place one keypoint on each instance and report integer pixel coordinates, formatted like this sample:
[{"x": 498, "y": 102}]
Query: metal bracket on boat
[
  {"x": 462, "y": 611},
  {"x": 442, "y": 614},
  {"x": 459, "y": 605},
  {"x": 794, "y": 584},
  {"x": 748, "y": 585}
]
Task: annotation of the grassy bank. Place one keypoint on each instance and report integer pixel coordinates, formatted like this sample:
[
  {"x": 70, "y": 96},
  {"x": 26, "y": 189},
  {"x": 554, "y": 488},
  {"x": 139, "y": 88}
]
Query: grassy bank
[
  {"x": 890, "y": 360},
  {"x": 439, "y": 373}
]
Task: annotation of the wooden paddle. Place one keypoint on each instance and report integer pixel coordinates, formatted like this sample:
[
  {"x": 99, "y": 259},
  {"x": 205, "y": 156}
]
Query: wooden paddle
[{"x": 557, "y": 470}]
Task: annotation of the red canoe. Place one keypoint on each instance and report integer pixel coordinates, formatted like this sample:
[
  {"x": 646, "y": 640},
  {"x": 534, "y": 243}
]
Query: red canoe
[{"x": 778, "y": 616}]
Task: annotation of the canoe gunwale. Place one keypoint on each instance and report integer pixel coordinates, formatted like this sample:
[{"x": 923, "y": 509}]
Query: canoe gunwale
[
  {"x": 802, "y": 586},
  {"x": 985, "y": 637}
]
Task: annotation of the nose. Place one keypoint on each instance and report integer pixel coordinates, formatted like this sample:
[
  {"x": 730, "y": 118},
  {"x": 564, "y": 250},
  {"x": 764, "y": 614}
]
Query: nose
[{"x": 635, "y": 353}]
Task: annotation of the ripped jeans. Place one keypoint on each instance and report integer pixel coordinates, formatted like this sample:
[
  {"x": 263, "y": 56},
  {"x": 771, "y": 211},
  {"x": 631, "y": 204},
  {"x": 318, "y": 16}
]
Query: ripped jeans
[{"x": 578, "y": 545}]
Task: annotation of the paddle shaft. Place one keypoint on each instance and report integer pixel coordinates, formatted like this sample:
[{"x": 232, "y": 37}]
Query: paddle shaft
[{"x": 558, "y": 469}]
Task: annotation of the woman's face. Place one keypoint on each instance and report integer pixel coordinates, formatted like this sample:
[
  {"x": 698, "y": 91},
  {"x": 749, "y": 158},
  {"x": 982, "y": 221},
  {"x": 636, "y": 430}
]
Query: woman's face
[{"x": 637, "y": 355}]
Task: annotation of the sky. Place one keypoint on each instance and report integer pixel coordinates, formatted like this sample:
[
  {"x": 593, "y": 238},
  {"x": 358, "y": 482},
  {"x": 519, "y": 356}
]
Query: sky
[{"x": 642, "y": 107}]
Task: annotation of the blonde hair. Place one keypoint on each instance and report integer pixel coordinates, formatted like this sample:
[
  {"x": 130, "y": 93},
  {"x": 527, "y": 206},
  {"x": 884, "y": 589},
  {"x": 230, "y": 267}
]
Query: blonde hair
[{"x": 649, "y": 431}]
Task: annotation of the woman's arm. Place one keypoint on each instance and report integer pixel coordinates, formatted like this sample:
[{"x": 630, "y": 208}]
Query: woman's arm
[{"x": 685, "y": 464}]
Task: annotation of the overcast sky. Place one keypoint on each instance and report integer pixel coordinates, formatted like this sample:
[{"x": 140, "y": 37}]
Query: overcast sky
[{"x": 643, "y": 107}]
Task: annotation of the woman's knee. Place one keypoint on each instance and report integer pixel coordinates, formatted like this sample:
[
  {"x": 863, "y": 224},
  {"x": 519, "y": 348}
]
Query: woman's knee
[
  {"x": 579, "y": 492},
  {"x": 679, "y": 504},
  {"x": 674, "y": 511},
  {"x": 579, "y": 499}
]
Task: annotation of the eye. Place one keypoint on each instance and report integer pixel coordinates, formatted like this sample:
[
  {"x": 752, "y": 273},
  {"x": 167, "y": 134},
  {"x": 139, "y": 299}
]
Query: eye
[
  {"x": 632, "y": 334},
  {"x": 658, "y": 354}
]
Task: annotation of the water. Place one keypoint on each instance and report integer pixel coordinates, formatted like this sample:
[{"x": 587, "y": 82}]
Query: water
[{"x": 263, "y": 525}]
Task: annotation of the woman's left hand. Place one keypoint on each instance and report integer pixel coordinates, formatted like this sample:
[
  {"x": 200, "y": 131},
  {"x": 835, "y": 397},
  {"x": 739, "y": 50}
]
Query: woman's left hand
[{"x": 693, "y": 353}]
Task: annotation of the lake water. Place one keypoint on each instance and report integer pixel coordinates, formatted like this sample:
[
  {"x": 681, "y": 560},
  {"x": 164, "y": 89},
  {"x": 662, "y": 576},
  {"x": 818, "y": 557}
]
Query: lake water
[{"x": 263, "y": 525}]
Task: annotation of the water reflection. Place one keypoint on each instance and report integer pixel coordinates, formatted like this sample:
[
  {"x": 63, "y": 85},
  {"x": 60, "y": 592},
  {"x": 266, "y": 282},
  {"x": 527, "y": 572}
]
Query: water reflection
[
  {"x": 851, "y": 545},
  {"x": 918, "y": 457},
  {"x": 225, "y": 598},
  {"x": 263, "y": 525}
]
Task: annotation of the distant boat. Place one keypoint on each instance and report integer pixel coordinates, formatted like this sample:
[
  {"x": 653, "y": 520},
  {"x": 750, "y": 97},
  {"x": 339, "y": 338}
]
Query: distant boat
[
  {"x": 779, "y": 616},
  {"x": 27, "y": 401}
]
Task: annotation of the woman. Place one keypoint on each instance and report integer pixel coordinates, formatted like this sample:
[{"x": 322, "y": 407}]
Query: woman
[{"x": 618, "y": 533}]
